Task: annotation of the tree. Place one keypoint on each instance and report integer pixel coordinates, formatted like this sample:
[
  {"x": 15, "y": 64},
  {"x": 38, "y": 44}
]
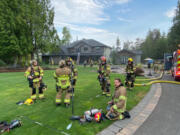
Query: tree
[
  {"x": 127, "y": 45},
  {"x": 26, "y": 27},
  {"x": 118, "y": 44},
  {"x": 66, "y": 36},
  {"x": 154, "y": 45},
  {"x": 174, "y": 34}
]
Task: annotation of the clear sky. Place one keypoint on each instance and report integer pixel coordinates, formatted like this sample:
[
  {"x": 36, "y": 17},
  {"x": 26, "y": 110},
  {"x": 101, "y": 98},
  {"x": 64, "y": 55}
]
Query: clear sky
[{"x": 104, "y": 20}]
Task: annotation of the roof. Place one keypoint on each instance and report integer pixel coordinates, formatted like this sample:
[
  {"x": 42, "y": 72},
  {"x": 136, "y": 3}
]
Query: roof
[
  {"x": 64, "y": 49},
  {"x": 90, "y": 42},
  {"x": 134, "y": 52}
]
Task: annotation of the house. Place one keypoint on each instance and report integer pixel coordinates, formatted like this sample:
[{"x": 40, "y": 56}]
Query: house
[
  {"x": 123, "y": 55},
  {"x": 80, "y": 51}
]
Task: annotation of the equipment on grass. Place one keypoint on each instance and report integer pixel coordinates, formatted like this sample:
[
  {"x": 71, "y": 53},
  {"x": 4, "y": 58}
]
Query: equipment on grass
[
  {"x": 20, "y": 103},
  {"x": 89, "y": 116},
  {"x": 29, "y": 101},
  {"x": 98, "y": 117},
  {"x": 5, "y": 127}
]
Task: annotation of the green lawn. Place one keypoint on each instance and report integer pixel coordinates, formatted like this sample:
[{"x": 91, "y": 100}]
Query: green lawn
[{"x": 14, "y": 87}]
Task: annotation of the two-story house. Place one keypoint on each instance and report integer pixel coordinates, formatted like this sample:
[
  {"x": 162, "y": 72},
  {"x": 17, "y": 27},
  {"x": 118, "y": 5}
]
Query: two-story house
[{"x": 80, "y": 50}]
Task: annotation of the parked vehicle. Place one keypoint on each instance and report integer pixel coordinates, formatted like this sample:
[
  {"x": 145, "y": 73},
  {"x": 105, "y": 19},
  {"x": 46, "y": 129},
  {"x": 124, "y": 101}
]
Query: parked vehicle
[{"x": 175, "y": 70}]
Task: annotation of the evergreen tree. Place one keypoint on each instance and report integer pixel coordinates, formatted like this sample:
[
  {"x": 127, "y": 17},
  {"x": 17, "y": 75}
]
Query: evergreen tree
[{"x": 174, "y": 34}]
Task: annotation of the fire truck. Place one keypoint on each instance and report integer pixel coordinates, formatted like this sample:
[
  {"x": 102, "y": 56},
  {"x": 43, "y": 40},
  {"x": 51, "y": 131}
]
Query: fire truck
[{"x": 175, "y": 70}]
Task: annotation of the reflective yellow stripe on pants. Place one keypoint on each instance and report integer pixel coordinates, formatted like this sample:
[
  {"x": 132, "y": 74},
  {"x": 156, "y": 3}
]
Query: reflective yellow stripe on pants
[
  {"x": 58, "y": 100},
  {"x": 67, "y": 101}
]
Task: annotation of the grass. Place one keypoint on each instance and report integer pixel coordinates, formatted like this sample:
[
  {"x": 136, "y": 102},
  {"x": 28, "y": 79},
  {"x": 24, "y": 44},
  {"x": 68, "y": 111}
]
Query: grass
[{"x": 14, "y": 87}]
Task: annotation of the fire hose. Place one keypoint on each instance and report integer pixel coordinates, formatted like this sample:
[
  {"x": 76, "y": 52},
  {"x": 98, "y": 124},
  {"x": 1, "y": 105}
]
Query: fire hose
[
  {"x": 157, "y": 81},
  {"x": 149, "y": 79}
]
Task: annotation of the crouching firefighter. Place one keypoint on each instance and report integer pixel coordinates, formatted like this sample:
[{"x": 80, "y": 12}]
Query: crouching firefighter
[
  {"x": 70, "y": 64},
  {"x": 104, "y": 76},
  {"x": 130, "y": 74},
  {"x": 116, "y": 108},
  {"x": 62, "y": 76},
  {"x": 34, "y": 75}
]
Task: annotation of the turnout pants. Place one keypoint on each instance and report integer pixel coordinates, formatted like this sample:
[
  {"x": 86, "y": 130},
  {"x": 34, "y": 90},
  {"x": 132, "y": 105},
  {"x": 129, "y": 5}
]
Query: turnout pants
[
  {"x": 105, "y": 85},
  {"x": 130, "y": 80},
  {"x": 34, "y": 86},
  {"x": 67, "y": 95}
]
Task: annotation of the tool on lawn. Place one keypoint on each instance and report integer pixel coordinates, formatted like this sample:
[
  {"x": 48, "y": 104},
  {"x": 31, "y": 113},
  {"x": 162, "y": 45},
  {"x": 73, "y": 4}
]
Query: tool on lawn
[
  {"x": 72, "y": 99},
  {"x": 43, "y": 125},
  {"x": 89, "y": 116},
  {"x": 5, "y": 127}
]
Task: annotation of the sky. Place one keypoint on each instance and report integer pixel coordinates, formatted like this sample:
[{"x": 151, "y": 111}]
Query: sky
[{"x": 105, "y": 20}]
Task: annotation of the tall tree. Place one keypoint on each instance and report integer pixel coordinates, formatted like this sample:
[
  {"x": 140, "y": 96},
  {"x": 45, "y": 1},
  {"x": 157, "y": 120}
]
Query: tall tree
[
  {"x": 127, "y": 45},
  {"x": 66, "y": 36},
  {"x": 174, "y": 34},
  {"x": 26, "y": 27},
  {"x": 118, "y": 44}
]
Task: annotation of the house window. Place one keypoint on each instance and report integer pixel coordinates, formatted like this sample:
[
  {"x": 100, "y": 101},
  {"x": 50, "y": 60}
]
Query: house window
[
  {"x": 98, "y": 48},
  {"x": 85, "y": 48},
  {"x": 78, "y": 49}
]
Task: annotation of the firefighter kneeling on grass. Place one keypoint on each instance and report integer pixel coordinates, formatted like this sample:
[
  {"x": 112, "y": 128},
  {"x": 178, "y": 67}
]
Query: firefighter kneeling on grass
[
  {"x": 130, "y": 74},
  {"x": 62, "y": 76},
  {"x": 117, "y": 107},
  {"x": 34, "y": 75},
  {"x": 104, "y": 76}
]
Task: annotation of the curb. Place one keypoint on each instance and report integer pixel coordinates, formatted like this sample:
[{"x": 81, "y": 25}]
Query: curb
[{"x": 138, "y": 114}]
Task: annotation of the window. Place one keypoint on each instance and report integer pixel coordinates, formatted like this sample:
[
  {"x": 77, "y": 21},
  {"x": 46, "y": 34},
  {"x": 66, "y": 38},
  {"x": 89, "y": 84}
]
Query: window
[
  {"x": 85, "y": 48},
  {"x": 98, "y": 48}
]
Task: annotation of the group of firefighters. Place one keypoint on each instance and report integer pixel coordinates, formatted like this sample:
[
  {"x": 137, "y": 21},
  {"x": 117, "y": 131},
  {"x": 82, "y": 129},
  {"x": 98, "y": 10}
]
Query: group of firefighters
[{"x": 66, "y": 77}]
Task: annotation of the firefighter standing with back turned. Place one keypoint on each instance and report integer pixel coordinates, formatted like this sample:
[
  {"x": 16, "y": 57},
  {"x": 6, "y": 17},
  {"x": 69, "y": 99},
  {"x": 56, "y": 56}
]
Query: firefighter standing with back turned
[
  {"x": 35, "y": 74},
  {"x": 62, "y": 76},
  {"x": 130, "y": 74},
  {"x": 70, "y": 64},
  {"x": 104, "y": 76}
]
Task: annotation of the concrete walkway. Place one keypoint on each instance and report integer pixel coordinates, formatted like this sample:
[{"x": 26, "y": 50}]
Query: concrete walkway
[{"x": 165, "y": 119}]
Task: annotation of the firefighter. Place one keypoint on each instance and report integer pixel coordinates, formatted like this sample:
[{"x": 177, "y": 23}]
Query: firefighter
[
  {"x": 117, "y": 106},
  {"x": 130, "y": 74},
  {"x": 155, "y": 67},
  {"x": 85, "y": 63},
  {"x": 34, "y": 75},
  {"x": 62, "y": 76},
  {"x": 104, "y": 76},
  {"x": 91, "y": 63},
  {"x": 74, "y": 73},
  {"x": 178, "y": 47}
]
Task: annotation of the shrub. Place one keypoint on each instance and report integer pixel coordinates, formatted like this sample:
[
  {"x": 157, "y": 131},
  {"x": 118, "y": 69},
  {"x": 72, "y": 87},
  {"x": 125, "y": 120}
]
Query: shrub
[
  {"x": 139, "y": 71},
  {"x": 2, "y": 63}
]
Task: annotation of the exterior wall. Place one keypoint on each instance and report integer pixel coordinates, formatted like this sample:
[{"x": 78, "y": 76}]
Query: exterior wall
[
  {"x": 138, "y": 59},
  {"x": 86, "y": 52},
  {"x": 122, "y": 58},
  {"x": 82, "y": 48}
]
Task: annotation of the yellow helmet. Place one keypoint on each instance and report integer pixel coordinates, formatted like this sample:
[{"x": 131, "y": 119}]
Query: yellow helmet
[
  {"x": 130, "y": 59},
  {"x": 29, "y": 101}
]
